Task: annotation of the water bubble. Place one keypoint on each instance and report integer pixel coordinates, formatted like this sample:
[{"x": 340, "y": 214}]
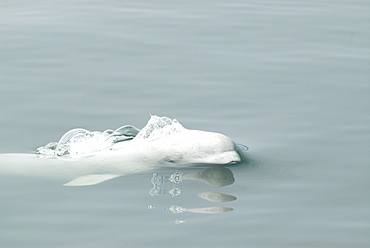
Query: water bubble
[
  {"x": 48, "y": 150},
  {"x": 64, "y": 145},
  {"x": 127, "y": 130},
  {"x": 158, "y": 127}
]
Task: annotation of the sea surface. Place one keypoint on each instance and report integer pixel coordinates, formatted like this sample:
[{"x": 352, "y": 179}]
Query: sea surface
[{"x": 289, "y": 79}]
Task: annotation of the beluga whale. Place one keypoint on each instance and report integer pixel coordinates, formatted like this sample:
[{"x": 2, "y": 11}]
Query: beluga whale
[{"x": 82, "y": 157}]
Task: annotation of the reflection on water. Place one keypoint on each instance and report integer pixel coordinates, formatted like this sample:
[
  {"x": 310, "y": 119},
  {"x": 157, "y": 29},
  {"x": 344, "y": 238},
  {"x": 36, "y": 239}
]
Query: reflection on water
[
  {"x": 214, "y": 176},
  {"x": 216, "y": 197},
  {"x": 209, "y": 210}
]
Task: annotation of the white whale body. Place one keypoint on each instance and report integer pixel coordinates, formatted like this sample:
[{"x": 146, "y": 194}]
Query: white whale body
[{"x": 86, "y": 158}]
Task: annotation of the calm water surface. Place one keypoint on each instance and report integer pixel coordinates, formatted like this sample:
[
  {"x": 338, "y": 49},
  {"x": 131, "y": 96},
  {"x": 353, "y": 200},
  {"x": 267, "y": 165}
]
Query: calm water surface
[{"x": 288, "y": 79}]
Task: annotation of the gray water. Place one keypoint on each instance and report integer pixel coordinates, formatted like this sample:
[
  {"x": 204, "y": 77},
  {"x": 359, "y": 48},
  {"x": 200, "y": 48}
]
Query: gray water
[{"x": 289, "y": 79}]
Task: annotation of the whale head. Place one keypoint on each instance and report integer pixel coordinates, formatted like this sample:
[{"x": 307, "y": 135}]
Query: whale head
[{"x": 198, "y": 147}]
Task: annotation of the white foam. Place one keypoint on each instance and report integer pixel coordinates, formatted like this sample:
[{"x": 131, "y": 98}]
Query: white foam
[{"x": 80, "y": 142}]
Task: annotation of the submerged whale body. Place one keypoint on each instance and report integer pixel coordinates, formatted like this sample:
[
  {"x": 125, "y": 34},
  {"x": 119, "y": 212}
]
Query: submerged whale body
[{"x": 87, "y": 158}]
